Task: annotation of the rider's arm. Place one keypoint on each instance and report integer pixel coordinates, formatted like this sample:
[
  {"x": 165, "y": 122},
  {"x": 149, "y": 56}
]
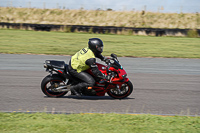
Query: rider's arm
[
  {"x": 100, "y": 56},
  {"x": 94, "y": 68}
]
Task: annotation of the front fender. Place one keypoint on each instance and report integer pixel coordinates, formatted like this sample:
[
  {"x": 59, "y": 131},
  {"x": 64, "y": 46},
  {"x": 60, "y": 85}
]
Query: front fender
[{"x": 113, "y": 84}]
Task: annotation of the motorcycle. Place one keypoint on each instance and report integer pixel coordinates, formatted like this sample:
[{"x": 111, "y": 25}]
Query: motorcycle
[{"x": 56, "y": 83}]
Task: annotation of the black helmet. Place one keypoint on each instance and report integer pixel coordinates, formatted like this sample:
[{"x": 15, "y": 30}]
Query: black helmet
[{"x": 96, "y": 45}]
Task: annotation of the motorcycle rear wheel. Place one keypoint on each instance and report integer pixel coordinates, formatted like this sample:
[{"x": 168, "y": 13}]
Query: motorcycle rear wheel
[
  {"x": 48, "y": 82},
  {"x": 127, "y": 90}
]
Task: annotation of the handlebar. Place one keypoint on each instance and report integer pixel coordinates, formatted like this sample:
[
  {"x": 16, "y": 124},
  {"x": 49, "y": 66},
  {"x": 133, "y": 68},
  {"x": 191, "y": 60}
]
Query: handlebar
[{"x": 110, "y": 74}]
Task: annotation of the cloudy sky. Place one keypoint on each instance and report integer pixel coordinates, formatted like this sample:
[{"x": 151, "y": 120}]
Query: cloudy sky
[{"x": 137, "y": 5}]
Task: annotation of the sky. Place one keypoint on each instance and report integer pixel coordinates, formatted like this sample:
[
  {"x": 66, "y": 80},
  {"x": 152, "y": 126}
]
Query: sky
[{"x": 171, "y": 6}]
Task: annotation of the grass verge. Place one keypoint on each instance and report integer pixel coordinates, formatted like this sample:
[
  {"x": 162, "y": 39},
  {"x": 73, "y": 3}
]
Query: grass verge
[
  {"x": 57, "y": 43},
  {"x": 101, "y": 123}
]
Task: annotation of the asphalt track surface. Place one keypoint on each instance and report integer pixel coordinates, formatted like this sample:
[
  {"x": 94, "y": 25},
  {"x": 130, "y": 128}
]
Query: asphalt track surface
[{"x": 161, "y": 86}]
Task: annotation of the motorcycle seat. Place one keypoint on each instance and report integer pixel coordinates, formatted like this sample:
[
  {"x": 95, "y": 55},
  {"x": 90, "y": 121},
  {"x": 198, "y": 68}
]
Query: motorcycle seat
[{"x": 56, "y": 64}]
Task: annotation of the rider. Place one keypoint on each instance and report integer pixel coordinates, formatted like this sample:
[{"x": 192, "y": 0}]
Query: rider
[{"x": 83, "y": 60}]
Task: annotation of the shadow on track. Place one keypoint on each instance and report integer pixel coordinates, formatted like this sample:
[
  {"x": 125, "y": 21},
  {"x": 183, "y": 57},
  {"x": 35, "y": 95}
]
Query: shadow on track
[{"x": 91, "y": 97}]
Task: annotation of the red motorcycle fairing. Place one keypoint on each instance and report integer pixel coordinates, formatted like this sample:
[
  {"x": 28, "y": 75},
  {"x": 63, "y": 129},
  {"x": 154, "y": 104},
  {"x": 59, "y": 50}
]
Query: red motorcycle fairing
[
  {"x": 119, "y": 79},
  {"x": 119, "y": 86}
]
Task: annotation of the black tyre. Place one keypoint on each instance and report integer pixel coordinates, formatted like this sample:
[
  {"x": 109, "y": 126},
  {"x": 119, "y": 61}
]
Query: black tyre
[
  {"x": 49, "y": 82},
  {"x": 124, "y": 92}
]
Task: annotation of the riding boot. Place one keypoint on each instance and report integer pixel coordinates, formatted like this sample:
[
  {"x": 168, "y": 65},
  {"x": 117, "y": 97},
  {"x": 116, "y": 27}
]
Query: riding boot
[
  {"x": 77, "y": 88},
  {"x": 75, "y": 92}
]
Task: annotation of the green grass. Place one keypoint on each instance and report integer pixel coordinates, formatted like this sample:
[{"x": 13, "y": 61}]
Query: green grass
[
  {"x": 96, "y": 123},
  {"x": 59, "y": 43}
]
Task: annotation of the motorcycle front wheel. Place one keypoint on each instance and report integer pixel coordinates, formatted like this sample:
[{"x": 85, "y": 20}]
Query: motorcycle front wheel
[
  {"x": 125, "y": 91},
  {"x": 49, "y": 83}
]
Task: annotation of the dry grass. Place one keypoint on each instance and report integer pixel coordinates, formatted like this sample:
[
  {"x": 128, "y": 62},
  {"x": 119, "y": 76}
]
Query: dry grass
[{"x": 100, "y": 18}]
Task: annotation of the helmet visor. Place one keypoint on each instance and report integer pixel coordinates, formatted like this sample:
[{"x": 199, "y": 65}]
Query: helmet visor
[{"x": 100, "y": 49}]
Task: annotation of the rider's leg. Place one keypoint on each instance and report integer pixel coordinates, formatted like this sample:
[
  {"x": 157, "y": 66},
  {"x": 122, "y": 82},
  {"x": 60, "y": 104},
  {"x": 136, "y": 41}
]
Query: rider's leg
[{"x": 87, "y": 81}]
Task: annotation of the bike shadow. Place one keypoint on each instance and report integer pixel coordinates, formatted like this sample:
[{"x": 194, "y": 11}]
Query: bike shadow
[{"x": 94, "y": 98}]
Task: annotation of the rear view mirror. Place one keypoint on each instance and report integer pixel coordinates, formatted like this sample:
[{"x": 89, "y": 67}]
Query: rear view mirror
[{"x": 113, "y": 55}]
